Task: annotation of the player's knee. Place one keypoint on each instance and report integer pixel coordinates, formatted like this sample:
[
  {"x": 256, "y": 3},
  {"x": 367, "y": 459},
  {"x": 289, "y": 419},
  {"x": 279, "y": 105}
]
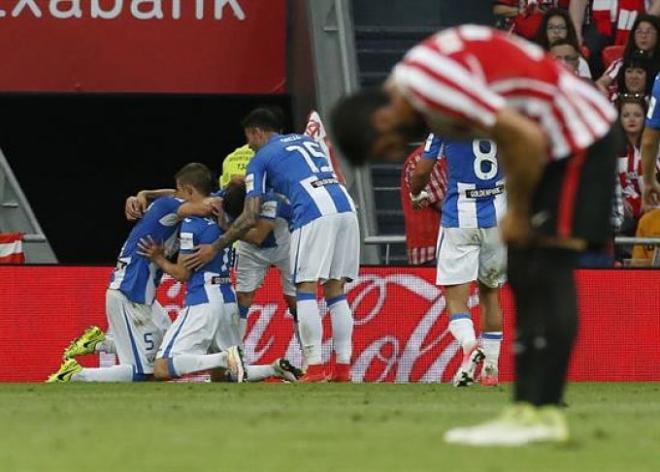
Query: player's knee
[
  {"x": 161, "y": 371},
  {"x": 333, "y": 288}
]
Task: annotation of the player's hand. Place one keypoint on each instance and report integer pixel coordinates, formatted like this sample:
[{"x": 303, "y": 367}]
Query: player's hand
[
  {"x": 651, "y": 194},
  {"x": 133, "y": 209},
  {"x": 202, "y": 255},
  {"x": 515, "y": 229},
  {"x": 147, "y": 247},
  {"x": 215, "y": 204},
  {"x": 420, "y": 200}
]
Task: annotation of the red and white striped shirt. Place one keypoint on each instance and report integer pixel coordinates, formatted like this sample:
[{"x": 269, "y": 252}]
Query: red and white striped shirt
[{"x": 466, "y": 75}]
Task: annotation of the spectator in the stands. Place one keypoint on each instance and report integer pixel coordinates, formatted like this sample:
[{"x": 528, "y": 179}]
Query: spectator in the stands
[
  {"x": 649, "y": 227},
  {"x": 556, "y": 25},
  {"x": 643, "y": 42},
  {"x": 607, "y": 22},
  {"x": 634, "y": 80},
  {"x": 422, "y": 224},
  {"x": 523, "y": 17},
  {"x": 631, "y": 117},
  {"x": 565, "y": 52}
]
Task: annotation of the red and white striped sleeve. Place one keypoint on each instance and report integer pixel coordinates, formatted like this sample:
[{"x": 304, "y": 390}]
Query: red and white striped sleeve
[{"x": 439, "y": 86}]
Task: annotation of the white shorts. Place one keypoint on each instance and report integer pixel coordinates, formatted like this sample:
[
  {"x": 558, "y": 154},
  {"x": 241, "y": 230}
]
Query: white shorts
[
  {"x": 326, "y": 248},
  {"x": 252, "y": 264},
  {"x": 137, "y": 330},
  {"x": 466, "y": 255},
  {"x": 203, "y": 328}
]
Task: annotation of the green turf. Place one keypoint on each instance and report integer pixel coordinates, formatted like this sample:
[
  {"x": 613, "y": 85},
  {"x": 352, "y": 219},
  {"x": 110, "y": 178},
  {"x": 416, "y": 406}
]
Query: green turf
[{"x": 251, "y": 427}]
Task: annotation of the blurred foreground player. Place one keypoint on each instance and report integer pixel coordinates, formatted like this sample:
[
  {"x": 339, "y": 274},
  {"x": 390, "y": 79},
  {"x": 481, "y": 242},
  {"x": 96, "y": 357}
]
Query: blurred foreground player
[
  {"x": 325, "y": 234},
  {"x": 553, "y": 133},
  {"x": 136, "y": 319}
]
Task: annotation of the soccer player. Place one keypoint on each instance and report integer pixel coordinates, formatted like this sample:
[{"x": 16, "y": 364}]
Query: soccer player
[
  {"x": 205, "y": 334},
  {"x": 554, "y": 137},
  {"x": 135, "y": 318},
  {"x": 266, "y": 244},
  {"x": 469, "y": 246},
  {"x": 650, "y": 147},
  {"x": 324, "y": 239}
]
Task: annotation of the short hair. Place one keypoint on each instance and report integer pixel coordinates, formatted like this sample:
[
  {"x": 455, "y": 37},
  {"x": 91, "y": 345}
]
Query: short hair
[
  {"x": 564, "y": 42},
  {"x": 267, "y": 119},
  {"x": 351, "y": 124},
  {"x": 234, "y": 197},
  {"x": 198, "y": 176}
]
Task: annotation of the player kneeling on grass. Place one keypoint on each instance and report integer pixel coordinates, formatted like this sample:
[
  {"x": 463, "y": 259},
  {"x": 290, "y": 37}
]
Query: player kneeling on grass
[
  {"x": 205, "y": 335},
  {"x": 135, "y": 318}
]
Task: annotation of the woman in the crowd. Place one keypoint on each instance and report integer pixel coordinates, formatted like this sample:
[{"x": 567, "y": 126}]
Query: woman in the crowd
[
  {"x": 643, "y": 41},
  {"x": 631, "y": 117},
  {"x": 555, "y": 25},
  {"x": 634, "y": 79}
]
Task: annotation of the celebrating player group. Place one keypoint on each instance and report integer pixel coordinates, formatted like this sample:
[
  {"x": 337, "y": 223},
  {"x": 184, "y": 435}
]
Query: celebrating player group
[{"x": 530, "y": 160}]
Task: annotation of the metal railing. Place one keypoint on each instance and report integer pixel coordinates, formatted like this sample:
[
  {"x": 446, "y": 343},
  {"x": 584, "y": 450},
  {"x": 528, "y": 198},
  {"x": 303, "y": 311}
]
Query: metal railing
[{"x": 390, "y": 239}]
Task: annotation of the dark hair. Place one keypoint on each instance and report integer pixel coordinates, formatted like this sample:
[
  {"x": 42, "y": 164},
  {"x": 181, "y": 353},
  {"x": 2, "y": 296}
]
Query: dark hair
[
  {"x": 624, "y": 100},
  {"x": 541, "y": 37},
  {"x": 563, "y": 42},
  {"x": 631, "y": 46},
  {"x": 234, "y": 197},
  {"x": 197, "y": 175},
  {"x": 637, "y": 61},
  {"x": 351, "y": 124},
  {"x": 265, "y": 118}
]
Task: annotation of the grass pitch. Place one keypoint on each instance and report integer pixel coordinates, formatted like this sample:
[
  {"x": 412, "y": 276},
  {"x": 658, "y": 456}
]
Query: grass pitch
[{"x": 253, "y": 427}]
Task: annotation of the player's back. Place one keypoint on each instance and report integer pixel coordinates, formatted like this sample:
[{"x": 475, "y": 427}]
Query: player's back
[
  {"x": 475, "y": 192},
  {"x": 214, "y": 275},
  {"x": 134, "y": 275},
  {"x": 473, "y": 71},
  {"x": 295, "y": 166}
]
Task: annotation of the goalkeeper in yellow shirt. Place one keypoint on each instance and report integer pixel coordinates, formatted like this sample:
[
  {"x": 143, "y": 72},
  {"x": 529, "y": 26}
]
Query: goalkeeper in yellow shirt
[{"x": 235, "y": 164}]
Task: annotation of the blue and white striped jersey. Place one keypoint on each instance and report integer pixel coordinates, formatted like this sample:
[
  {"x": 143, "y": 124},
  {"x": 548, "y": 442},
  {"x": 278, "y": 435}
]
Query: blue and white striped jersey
[
  {"x": 294, "y": 165},
  {"x": 135, "y": 275},
  {"x": 475, "y": 193},
  {"x": 653, "y": 114},
  {"x": 276, "y": 208},
  {"x": 215, "y": 274}
]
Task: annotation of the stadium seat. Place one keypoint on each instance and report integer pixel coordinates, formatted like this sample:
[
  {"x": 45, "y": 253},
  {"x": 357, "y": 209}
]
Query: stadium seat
[{"x": 611, "y": 54}]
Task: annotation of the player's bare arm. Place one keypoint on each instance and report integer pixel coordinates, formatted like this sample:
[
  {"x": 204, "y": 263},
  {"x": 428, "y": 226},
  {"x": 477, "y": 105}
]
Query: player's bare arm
[
  {"x": 650, "y": 145},
  {"x": 258, "y": 234},
  {"x": 136, "y": 205},
  {"x": 246, "y": 221},
  {"x": 419, "y": 180},
  {"x": 155, "y": 252},
  {"x": 523, "y": 150}
]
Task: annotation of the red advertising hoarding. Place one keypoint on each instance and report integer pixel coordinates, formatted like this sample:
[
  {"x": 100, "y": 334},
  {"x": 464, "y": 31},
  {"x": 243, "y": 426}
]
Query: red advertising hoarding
[
  {"x": 400, "y": 323},
  {"x": 188, "y": 46}
]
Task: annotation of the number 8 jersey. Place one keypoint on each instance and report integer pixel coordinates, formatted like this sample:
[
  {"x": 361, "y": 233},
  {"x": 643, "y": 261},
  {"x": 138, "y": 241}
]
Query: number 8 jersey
[
  {"x": 294, "y": 165},
  {"x": 475, "y": 193}
]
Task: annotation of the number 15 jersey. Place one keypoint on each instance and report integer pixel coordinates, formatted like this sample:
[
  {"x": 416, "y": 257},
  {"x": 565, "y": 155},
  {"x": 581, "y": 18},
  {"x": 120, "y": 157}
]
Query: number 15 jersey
[
  {"x": 294, "y": 165},
  {"x": 475, "y": 193}
]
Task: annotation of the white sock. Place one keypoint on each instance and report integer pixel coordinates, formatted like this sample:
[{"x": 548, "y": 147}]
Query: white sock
[
  {"x": 256, "y": 373},
  {"x": 311, "y": 328},
  {"x": 183, "y": 364},
  {"x": 491, "y": 342},
  {"x": 117, "y": 373},
  {"x": 461, "y": 327},
  {"x": 107, "y": 346},
  {"x": 342, "y": 328}
]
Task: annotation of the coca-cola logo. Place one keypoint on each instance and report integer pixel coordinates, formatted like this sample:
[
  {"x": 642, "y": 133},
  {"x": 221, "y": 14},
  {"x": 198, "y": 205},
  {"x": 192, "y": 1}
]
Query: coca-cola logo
[
  {"x": 400, "y": 332},
  {"x": 137, "y": 9}
]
